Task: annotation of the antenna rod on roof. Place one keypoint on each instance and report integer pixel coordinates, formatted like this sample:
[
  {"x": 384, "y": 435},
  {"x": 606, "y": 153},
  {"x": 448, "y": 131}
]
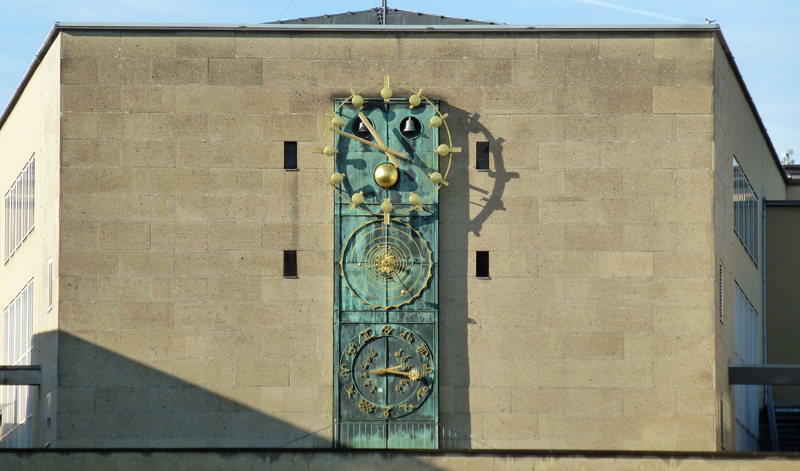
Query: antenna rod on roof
[{"x": 383, "y": 9}]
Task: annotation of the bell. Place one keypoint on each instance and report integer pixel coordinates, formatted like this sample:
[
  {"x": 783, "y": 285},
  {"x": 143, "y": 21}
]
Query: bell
[
  {"x": 409, "y": 126},
  {"x": 362, "y": 127}
]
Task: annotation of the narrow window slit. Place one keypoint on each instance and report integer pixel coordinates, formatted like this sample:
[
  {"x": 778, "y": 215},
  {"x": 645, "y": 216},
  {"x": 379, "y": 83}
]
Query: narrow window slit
[
  {"x": 482, "y": 155},
  {"x": 290, "y": 263},
  {"x": 290, "y": 155},
  {"x": 482, "y": 264}
]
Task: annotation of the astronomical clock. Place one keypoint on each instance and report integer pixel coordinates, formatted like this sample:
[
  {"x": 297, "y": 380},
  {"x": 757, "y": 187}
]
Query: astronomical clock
[{"x": 386, "y": 153}]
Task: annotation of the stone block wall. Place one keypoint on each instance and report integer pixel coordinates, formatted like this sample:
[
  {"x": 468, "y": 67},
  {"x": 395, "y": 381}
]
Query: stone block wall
[{"x": 594, "y": 330}]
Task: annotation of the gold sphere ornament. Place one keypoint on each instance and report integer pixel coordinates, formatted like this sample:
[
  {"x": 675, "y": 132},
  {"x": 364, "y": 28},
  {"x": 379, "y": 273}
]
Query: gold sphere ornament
[
  {"x": 357, "y": 100},
  {"x": 386, "y": 93},
  {"x": 443, "y": 150},
  {"x": 336, "y": 179},
  {"x": 330, "y": 150},
  {"x": 386, "y": 175},
  {"x": 356, "y": 200},
  {"x": 386, "y": 207},
  {"x": 414, "y": 100},
  {"x": 437, "y": 121},
  {"x": 437, "y": 178},
  {"x": 415, "y": 201},
  {"x": 337, "y": 121}
]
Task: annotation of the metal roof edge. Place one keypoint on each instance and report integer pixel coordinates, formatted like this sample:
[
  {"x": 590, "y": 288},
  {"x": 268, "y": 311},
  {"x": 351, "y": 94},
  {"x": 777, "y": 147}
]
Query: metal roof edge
[
  {"x": 475, "y": 28},
  {"x": 37, "y": 59}
]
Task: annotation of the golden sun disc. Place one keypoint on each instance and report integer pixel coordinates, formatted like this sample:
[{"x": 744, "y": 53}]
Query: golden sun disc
[{"x": 386, "y": 175}]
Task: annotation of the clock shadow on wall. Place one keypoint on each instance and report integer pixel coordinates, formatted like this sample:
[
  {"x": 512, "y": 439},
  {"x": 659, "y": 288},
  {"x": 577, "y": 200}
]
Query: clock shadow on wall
[{"x": 458, "y": 218}]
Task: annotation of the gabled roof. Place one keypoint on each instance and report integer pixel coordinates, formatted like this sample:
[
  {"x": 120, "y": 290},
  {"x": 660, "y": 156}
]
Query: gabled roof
[{"x": 373, "y": 17}]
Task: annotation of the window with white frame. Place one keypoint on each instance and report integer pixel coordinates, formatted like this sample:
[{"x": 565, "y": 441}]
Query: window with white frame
[
  {"x": 745, "y": 349},
  {"x": 18, "y": 203},
  {"x": 745, "y": 211},
  {"x": 17, "y": 425}
]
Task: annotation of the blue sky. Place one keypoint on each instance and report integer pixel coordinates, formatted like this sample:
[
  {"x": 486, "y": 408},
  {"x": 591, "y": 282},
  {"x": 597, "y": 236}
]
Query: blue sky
[{"x": 761, "y": 33}]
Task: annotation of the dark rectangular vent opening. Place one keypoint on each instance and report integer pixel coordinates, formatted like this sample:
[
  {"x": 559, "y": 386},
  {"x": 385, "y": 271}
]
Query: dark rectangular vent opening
[
  {"x": 482, "y": 264},
  {"x": 290, "y": 155},
  {"x": 482, "y": 155},
  {"x": 290, "y": 263}
]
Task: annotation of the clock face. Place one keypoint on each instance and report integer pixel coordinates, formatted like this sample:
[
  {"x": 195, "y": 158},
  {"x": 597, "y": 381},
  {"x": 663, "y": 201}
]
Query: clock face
[
  {"x": 382, "y": 155},
  {"x": 386, "y": 371},
  {"x": 369, "y": 170}
]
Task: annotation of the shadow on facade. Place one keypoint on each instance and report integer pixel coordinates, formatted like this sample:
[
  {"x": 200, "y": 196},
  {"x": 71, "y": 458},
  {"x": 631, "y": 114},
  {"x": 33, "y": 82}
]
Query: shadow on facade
[
  {"x": 492, "y": 199},
  {"x": 458, "y": 218},
  {"x": 107, "y": 401}
]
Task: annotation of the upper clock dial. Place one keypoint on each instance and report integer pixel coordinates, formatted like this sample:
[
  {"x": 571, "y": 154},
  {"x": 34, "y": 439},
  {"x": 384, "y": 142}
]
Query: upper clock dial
[
  {"x": 366, "y": 136},
  {"x": 413, "y": 158}
]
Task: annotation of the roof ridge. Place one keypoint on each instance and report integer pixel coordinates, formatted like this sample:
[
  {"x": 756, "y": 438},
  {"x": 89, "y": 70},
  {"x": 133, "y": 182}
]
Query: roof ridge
[{"x": 395, "y": 16}]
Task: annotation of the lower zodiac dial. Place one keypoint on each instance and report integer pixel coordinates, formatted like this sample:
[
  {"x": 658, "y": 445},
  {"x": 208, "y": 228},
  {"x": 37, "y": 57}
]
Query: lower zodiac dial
[{"x": 386, "y": 371}]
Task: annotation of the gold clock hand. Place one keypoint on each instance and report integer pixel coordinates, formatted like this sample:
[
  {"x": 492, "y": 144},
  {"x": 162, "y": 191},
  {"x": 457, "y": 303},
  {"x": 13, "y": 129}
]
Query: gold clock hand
[
  {"x": 377, "y": 138},
  {"x": 413, "y": 375},
  {"x": 392, "y": 158},
  {"x": 381, "y": 371},
  {"x": 371, "y": 129},
  {"x": 364, "y": 141}
]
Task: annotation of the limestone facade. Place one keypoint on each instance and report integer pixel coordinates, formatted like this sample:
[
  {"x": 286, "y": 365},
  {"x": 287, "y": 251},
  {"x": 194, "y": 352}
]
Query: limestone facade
[{"x": 607, "y": 211}]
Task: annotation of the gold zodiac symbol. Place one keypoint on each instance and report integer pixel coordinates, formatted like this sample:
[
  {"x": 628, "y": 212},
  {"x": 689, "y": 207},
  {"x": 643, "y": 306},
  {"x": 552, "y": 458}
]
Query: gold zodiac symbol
[
  {"x": 366, "y": 334},
  {"x": 426, "y": 370}
]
